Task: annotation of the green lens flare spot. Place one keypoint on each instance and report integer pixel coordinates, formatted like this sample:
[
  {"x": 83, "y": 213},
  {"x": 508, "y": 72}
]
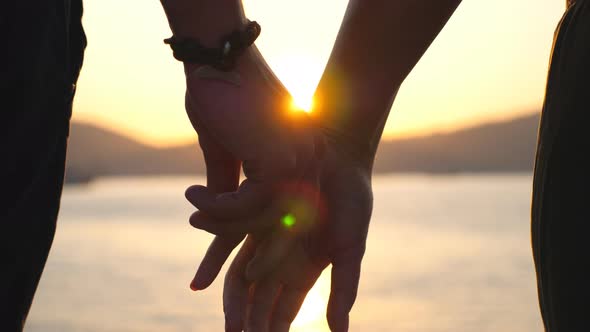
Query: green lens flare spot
[{"x": 288, "y": 220}]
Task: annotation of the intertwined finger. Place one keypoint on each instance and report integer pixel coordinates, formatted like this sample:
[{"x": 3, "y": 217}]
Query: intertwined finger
[
  {"x": 216, "y": 255},
  {"x": 262, "y": 300},
  {"x": 287, "y": 306},
  {"x": 301, "y": 207},
  {"x": 346, "y": 270},
  {"x": 236, "y": 288},
  {"x": 265, "y": 177},
  {"x": 269, "y": 254},
  {"x": 297, "y": 274}
]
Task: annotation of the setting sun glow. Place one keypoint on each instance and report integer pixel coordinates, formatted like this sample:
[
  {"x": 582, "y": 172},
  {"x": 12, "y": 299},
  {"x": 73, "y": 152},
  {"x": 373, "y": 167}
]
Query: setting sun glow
[
  {"x": 485, "y": 65},
  {"x": 302, "y": 104},
  {"x": 300, "y": 75},
  {"x": 312, "y": 316}
]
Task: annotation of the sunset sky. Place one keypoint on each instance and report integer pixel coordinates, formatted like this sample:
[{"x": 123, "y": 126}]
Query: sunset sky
[{"x": 489, "y": 62}]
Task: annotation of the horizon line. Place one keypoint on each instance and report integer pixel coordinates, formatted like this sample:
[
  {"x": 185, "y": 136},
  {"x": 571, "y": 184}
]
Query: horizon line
[{"x": 385, "y": 137}]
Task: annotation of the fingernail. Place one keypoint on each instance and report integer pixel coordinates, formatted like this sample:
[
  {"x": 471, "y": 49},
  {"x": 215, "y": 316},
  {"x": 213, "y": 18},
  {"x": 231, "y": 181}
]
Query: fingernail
[{"x": 188, "y": 191}]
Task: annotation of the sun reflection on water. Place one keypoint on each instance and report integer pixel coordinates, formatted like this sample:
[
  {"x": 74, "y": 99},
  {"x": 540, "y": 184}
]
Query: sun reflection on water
[{"x": 312, "y": 316}]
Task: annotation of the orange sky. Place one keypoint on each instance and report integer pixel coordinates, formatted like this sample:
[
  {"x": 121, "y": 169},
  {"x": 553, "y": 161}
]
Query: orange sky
[{"x": 489, "y": 63}]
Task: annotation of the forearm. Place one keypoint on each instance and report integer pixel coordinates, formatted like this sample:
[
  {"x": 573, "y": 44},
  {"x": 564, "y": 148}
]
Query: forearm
[
  {"x": 378, "y": 45},
  {"x": 205, "y": 20}
]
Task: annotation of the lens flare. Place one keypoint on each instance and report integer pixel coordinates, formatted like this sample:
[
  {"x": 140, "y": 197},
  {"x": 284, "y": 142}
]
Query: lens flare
[
  {"x": 302, "y": 205},
  {"x": 289, "y": 220}
]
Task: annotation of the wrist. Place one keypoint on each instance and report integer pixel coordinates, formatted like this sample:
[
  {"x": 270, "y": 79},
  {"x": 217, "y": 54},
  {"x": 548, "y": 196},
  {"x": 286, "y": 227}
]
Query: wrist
[
  {"x": 245, "y": 64},
  {"x": 343, "y": 127},
  {"x": 350, "y": 148},
  {"x": 206, "y": 21},
  {"x": 353, "y": 111}
]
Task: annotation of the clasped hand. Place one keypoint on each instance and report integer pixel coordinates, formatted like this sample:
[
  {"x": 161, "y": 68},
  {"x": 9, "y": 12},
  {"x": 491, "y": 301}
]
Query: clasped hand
[{"x": 305, "y": 202}]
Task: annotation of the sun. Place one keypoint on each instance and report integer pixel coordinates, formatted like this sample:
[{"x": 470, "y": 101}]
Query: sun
[
  {"x": 300, "y": 74},
  {"x": 304, "y": 103}
]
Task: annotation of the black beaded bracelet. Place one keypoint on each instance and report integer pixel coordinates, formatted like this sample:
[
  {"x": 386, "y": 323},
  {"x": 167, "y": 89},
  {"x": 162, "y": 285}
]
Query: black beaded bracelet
[{"x": 224, "y": 57}]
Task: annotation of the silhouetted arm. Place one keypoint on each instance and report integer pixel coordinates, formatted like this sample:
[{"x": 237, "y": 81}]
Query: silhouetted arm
[
  {"x": 243, "y": 118},
  {"x": 378, "y": 45},
  {"x": 205, "y": 20}
]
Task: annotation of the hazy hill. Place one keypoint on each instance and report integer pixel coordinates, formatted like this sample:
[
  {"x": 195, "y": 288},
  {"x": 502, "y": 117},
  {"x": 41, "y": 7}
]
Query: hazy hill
[
  {"x": 495, "y": 147},
  {"x": 95, "y": 151}
]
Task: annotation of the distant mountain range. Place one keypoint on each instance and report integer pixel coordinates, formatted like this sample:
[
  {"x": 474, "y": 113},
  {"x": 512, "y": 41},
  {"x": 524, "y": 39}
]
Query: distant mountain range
[{"x": 507, "y": 146}]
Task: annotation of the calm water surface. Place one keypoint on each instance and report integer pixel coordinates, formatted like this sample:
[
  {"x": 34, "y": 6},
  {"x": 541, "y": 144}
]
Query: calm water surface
[{"x": 445, "y": 253}]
